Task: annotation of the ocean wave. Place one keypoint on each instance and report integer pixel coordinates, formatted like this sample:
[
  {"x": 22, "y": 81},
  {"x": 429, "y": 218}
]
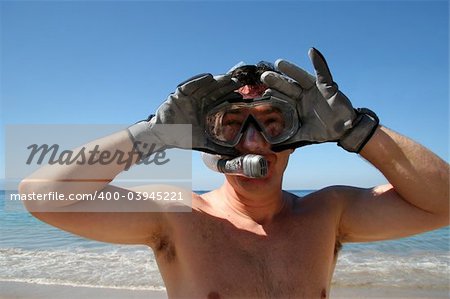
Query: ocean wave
[
  {"x": 134, "y": 267},
  {"x": 420, "y": 269},
  {"x": 121, "y": 267}
]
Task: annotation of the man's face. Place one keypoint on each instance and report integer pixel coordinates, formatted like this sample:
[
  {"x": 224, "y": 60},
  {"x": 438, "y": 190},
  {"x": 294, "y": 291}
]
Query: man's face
[{"x": 253, "y": 142}]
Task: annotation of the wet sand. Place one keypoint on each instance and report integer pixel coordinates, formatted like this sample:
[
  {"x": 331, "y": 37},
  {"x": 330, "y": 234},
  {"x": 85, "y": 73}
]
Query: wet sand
[
  {"x": 22, "y": 290},
  {"x": 19, "y": 290}
]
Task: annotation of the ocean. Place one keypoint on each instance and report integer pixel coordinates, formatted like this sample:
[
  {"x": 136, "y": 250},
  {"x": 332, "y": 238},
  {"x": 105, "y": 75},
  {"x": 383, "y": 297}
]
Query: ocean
[{"x": 34, "y": 252}]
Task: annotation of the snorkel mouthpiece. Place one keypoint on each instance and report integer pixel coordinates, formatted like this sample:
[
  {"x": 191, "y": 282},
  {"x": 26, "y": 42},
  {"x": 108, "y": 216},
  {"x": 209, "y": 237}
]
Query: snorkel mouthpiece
[
  {"x": 251, "y": 166},
  {"x": 255, "y": 166}
]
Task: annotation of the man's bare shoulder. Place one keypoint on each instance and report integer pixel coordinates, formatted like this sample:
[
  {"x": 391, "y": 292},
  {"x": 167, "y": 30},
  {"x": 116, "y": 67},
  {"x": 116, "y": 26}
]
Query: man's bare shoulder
[
  {"x": 208, "y": 202},
  {"x": 328, "y": 199}
]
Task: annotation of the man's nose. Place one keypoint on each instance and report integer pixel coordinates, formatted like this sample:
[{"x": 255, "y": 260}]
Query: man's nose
[{"x": 253, "y": 140}]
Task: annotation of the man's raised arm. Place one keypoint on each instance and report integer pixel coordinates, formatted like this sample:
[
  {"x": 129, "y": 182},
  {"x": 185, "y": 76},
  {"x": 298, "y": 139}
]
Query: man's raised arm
[
  {"x": 415, "y": 201},
  {"x": 417, "y": 198},
  {"x": 93, "y": 219}
]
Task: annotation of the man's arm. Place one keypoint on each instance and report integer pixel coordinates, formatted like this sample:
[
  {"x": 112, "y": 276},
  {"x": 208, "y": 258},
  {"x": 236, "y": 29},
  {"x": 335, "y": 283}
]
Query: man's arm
[
  {"x": 417, "y": 199},
  {"x": 87, "y": 218}
]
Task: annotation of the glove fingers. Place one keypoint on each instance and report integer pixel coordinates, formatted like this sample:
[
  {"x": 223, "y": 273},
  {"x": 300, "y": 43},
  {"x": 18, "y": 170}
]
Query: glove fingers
[
  {"x": 193, "y": 84},
  {"x": 324, "y": 78},
  {"x": 223, "y": 85},
  {"x": 275, "y": 93},
  {"x": 281, "y": 83},
  {"x": 305, "y": 79}
]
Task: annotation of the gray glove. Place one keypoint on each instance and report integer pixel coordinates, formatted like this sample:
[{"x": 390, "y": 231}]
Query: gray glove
[
  {"x": 325, "y": 113},
  {"x": 186, "y": 106}
]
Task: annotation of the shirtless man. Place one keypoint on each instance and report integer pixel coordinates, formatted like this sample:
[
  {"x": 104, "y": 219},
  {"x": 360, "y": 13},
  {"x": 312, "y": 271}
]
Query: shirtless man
[{"x": 250, "y": 239}]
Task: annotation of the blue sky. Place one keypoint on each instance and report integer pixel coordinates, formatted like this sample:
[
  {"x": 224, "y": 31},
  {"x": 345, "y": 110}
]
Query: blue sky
[{"x": 114, "y": 62}]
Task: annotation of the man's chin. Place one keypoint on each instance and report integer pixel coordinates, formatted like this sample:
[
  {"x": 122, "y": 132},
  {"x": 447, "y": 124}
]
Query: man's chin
[{"x": 256, "y": 182}]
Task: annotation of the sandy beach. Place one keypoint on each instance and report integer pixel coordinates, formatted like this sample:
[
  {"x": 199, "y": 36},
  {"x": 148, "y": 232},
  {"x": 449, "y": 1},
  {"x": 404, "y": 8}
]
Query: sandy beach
[
  {"x": 386, "y": 293},
  {"x": 19, "y": 290}
]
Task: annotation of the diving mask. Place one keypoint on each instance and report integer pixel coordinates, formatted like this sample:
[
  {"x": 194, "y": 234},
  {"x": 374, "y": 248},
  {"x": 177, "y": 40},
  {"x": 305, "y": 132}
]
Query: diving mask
[{"x": 275, "y": 118}]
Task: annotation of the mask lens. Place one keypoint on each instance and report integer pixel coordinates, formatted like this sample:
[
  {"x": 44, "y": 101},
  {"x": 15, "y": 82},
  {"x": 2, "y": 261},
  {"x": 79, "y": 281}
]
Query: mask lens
[
  {"x": 270, "y": 119},
  {"x": 277, "y": 120},
  {"x": 224, "y": 126}
]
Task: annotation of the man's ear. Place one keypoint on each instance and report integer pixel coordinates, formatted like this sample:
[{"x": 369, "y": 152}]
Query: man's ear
[{"x": 292, "y": 151}]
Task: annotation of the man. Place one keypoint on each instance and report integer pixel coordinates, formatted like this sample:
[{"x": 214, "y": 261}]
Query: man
[{"x": 249, "y": 238}]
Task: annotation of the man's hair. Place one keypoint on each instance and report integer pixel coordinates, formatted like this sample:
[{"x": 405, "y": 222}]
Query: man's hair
[{"x": 250, "y": 74}]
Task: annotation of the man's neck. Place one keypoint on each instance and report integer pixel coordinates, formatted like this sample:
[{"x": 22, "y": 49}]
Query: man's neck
[{"x": 258, "y": 207}]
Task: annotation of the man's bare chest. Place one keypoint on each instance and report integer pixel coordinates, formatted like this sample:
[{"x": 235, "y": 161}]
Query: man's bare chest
[{"x": 278, "y": 261}]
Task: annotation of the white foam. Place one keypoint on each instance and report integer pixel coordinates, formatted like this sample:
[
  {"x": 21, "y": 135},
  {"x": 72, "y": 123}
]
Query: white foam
[
  {"x": 134, "y": 267},
  {"x": 121, "y": 267}
]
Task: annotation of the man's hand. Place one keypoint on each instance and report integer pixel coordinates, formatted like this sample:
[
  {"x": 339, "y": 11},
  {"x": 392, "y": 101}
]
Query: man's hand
[
  {"x": 187, "y": 105},
  {"x": 326, "y": 114}
]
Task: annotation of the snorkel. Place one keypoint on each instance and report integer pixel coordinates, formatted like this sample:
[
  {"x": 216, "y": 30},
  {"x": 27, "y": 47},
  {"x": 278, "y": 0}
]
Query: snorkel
[{"x": 249, "y": 165}]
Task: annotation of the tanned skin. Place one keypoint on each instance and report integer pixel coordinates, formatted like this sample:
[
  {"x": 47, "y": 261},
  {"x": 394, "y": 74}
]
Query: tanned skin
[{"x": 249, "y": 238}]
